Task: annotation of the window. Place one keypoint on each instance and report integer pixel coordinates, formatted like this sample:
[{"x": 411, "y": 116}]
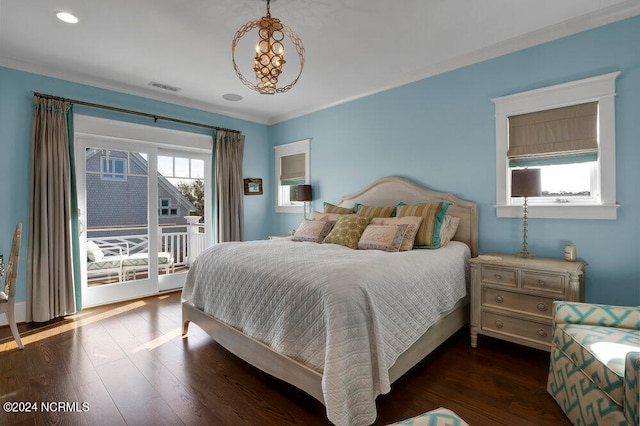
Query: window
[
  {"x": 292, "y": 169},
  {"x": 113, "y": 168},
  {"x": 165, "y": 208},
  {"x": 568, "y": 131}
]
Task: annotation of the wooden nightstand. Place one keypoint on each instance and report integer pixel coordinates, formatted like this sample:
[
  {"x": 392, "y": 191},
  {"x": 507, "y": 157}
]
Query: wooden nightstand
[{"x": 512, "y": 297}]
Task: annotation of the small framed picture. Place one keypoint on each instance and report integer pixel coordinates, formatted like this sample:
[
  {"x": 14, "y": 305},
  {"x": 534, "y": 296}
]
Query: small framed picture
[{"x": 252, "y": 186}]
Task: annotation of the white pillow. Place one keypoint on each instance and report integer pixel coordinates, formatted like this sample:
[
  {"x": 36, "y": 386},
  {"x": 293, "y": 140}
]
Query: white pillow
[{"x": 94, "y": 254}]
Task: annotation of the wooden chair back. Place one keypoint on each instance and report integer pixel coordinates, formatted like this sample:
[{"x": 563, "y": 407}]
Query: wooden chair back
[{"x": 12, "y": 267}]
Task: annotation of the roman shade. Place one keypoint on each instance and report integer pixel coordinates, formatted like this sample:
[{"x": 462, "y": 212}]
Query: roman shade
[
  {"x": 292, "y": 169},
  {"x": 556, "y": 136}
]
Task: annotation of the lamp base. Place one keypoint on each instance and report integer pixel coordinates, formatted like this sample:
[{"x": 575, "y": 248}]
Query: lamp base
[{"x": 525, "y": 254}]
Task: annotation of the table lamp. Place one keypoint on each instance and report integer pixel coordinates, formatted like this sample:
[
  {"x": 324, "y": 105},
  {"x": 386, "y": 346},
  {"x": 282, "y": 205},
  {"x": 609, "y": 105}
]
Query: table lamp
[
  {"x": 525, "y": 183},
  {"x": 304, "y": 195}
]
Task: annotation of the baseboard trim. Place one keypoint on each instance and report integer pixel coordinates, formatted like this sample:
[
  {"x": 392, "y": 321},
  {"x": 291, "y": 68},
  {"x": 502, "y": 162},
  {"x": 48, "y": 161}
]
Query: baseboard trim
[{"x": 21, "y": 314}]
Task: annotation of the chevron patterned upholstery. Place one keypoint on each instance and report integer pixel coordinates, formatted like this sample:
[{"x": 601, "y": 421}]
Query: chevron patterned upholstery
[
  {"x": 594, "y": 373},
  {"x": 439, "y": 417}
]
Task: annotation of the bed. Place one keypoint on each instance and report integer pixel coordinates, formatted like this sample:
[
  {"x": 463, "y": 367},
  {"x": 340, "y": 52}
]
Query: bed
[{"x": 360, "y": 361}]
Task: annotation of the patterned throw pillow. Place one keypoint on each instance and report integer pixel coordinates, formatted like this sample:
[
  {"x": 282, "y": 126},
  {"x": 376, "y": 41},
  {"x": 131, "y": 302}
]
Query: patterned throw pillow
[
  {"x": 348, "y": 230},
  {"x": 382, "y": 237},
  {"x": 433, "y": 214},
  {"x": 375, "y": 211},
  {"x": 326, "y": 216},
  {"x": 331, "y": 208},
  {"x": 412, "y": 222},
  {"x": 312, "y": 230}
]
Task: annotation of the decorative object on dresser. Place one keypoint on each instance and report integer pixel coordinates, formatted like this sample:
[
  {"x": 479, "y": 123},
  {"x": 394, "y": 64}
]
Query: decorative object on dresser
[
  {"x": 512, "y": 297},
  {"x": 305, "y": 194},
  {"x": 525, "y": 183},
  {"x": 570, "y": 253}
]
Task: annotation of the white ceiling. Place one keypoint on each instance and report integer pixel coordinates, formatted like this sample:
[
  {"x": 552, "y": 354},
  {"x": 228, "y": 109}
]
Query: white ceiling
[{"x": 353, "y": 47}]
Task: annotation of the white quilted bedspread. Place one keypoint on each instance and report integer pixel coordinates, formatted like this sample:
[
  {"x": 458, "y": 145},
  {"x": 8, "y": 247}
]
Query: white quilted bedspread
[{"x": 347, "y": 314}]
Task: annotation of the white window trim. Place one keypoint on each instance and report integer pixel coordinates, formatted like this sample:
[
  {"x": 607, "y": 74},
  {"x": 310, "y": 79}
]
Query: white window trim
[
  {"x": 601, "y": 89},
  {"x": 300, "y": 147}
]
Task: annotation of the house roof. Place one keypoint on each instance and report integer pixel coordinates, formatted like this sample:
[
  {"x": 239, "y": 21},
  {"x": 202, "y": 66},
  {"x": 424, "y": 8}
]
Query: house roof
[{"x": 353, "y": 47}]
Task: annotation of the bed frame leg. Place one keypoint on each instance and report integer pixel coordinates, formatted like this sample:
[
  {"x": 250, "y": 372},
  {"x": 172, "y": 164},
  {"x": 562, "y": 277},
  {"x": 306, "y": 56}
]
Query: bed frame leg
[{"x": 185, "y": 328}]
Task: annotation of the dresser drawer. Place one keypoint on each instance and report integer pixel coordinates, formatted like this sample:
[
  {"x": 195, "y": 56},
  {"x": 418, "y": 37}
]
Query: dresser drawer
[
  {"x": 516, "y": 327},
  {"x": 525, "y": 303},
  {"x": 549, "y": 283},
  {"x": 502, "y": 276}
]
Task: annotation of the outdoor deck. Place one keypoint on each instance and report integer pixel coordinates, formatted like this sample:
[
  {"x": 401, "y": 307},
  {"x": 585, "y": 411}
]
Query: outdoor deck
[{"x": 183, "y": 243}]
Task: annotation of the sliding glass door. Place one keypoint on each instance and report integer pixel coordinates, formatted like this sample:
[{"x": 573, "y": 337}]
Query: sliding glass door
[
  {"x": 181, "y": 189},
  {"x": 142, "y": 209}
]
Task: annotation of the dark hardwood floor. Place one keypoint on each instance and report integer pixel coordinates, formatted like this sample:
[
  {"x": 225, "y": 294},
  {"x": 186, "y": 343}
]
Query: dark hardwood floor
[{"x": 129, "y": 363}]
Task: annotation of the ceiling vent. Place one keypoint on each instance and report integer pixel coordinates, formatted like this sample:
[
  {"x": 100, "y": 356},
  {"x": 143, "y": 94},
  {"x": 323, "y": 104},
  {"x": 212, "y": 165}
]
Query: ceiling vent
[{"x": 164, "y": 86}]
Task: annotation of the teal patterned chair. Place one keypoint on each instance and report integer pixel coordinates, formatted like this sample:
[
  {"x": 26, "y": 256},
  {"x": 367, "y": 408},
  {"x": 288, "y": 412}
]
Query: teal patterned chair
[{"x": 594, "y": 373}]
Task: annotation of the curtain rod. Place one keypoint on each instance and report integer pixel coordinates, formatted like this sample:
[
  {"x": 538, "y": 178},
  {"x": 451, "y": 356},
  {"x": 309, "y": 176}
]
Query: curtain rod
[{"x": 128, "y": 111}]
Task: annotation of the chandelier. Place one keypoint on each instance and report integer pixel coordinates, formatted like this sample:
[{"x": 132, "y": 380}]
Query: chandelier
[{"x": 269, "y": 59}]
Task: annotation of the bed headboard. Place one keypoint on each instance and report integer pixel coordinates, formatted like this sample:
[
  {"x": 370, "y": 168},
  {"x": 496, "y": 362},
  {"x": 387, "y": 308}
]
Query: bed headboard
[{"x": 390, "y": 190}]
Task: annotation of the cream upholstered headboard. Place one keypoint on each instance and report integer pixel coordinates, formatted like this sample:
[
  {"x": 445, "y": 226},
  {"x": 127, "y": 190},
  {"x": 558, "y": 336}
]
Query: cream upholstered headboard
[{"x": 391, "y": 190}]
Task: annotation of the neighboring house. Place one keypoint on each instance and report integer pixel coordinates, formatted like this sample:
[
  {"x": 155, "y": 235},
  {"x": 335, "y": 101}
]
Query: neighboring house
[{"x": 117, "y": 192}]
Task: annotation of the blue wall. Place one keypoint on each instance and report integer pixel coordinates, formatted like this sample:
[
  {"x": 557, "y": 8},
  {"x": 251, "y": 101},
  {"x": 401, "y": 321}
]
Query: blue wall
[
  {"x": 440, "y": 132},
  {"x": 16, "y": 106}
]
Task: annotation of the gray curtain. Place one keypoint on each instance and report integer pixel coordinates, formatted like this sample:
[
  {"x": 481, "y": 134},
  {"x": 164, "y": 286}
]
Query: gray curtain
[
  {"x": 50, "y": 278},
  {"x": 229, "y": 189}
]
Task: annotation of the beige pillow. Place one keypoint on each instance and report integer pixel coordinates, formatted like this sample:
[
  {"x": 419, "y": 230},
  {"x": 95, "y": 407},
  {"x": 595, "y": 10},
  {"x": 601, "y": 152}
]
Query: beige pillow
[
  {"x": 448, "y": 229},
  {"x": 382, "y": 237},
  {"x": 325, "y": 216},
  {"x": 330, "y": 208},
  {"x": 412, "y": 222},
  {"x": 312, "y": 230},
  {"x": 375, "y": 211},
  {"x": 429, "y": 232},
  {"x": 348, "y": 230}
]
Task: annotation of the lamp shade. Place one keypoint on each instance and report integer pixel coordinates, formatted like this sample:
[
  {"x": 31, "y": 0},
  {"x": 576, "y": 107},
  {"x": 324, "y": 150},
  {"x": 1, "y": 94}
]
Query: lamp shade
[
  {"x": 525, "y": 183},
  {"x": 304, "y": 193}
]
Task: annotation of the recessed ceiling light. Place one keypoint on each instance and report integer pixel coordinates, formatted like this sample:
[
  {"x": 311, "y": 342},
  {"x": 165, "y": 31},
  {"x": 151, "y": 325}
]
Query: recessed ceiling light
[
  {"x": 67, "y": 17},
  {"x": 232, "y": 97}
]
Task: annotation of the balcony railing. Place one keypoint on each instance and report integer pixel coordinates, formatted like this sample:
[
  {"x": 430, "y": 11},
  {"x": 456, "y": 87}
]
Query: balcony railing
[{"x": 183, "y": 242}]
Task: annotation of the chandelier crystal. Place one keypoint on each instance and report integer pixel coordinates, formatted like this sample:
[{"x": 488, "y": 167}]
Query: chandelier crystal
[{"x": 269, "y": 57}]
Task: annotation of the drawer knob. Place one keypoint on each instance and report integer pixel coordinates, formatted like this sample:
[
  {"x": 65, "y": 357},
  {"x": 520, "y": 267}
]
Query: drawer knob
[
  {"x": 542, "y": 333},
  {"x": 542, "y": 307},
  {"x": 499, "y": 299},
  {"x": 498, "y": 276},
  {"x": 499, "y": 324},
  {"x": 541, "y": 283}
]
